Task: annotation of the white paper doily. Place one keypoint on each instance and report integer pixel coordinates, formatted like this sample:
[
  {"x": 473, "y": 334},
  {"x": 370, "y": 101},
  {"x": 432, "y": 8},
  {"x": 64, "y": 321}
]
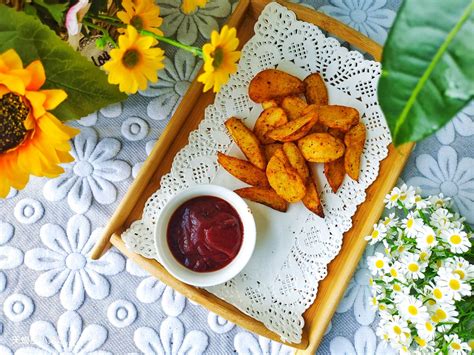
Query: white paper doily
[{"x": 293, "y": 249}]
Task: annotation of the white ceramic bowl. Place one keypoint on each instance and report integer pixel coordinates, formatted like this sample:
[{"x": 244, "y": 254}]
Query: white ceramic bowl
[{"x": 204, "y": 279}]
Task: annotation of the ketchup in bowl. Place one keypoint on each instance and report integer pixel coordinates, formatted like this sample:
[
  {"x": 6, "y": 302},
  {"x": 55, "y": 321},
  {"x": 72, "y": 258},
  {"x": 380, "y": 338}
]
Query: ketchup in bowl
[{"x": 205, "y": 233}]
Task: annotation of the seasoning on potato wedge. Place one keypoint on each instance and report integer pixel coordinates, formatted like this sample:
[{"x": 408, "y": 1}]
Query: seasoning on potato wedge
[
  {"x": 311, "y": 200},
  {"x": 265, "y": 196},
  {"x": 243, "y": 170},
  {"x": 284, "y": 179},
  {"x": 338, "y": 117},
  {"x": 335, "y": 172},
  {"x": 296, "y": 159},
  {"x": 315, "y": 90},
  {"x": 355, "y": 141},
  {"x": 321, "y": 147},
  {"x": 294, "y": 130},
  {"x": 247, "y": 142},
  {"x": 293, "y": 106},
  {"x": 268, "y": 120},
  {"x": 270, "y": 149},
  {"x": 269, "y": 103},
  {"x": 272, "y": 84}
]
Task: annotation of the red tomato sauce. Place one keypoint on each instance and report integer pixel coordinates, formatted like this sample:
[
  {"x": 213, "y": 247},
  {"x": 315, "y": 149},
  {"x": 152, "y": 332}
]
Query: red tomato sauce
[{"x": 205, "y": 233}]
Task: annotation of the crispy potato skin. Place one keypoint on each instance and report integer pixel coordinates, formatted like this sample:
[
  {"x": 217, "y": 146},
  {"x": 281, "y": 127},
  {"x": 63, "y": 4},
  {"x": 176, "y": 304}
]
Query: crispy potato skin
[
  {"x": 355, "y": 141},
  {"x": 243, "y": 170},
  {"x": 321, "y": 147},
  {"x": 269, "y": 103},
  {"x": 284, "y": 179},
  {"x": 247, "y": 142},
  {"x": 265, "y": 196},
  {"x": 268, "y": 120},
  {"x": 335, "y": 172},
  {"x": 315, "y": 90},
  {"x": 273, "y": 84},
  {"x": 311, "y": 200},
  {"x": 270, "y": 149},
  {"x": 338, "y": 117},
  {"x": 293, "y": 106},
  {"x": 296, "y": 159},
  {"x": 295, "y": 129}
]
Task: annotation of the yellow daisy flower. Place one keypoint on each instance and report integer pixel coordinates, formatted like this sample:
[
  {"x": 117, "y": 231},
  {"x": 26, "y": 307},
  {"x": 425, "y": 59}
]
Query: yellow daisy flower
[
  {"x": 141, "y": 14},
  {"x": 134, "y": 62},
  {"x": 220, "y": 58},
  {"x": 189, "y": 6},
  {"x": 32, "y": 140}
]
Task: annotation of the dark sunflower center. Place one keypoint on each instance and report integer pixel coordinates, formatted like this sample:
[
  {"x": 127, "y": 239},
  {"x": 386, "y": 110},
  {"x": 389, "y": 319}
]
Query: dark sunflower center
[
  {"x": 131, "y": 58},
  {"x": 218, "y": 56},
  {"x": 12, "y": 114},
  {"x": 137, "y": 22}
]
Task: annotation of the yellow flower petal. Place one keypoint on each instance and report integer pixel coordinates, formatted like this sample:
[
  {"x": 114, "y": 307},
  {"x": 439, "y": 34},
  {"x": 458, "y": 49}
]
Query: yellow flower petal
[
  {"x": 11, "y": 60},
  {"x": 53, "y": 98},
  {"x": 38, "y": 76}
]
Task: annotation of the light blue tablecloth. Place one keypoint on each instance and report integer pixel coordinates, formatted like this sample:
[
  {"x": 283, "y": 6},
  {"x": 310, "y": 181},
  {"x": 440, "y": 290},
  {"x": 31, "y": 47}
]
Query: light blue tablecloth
[{"x": 55, "y": 300}]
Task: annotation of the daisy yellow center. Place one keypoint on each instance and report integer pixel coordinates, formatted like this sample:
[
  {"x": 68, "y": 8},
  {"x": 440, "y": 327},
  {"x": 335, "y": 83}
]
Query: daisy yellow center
[
  {"x": 440, "y": 314},
  {"x": 375, "y": 234},
  {"x": 410, "y": 223},
  {"x": 394, "y": 197},
  {"x": 454, "y": 284},
  {"x": 471, "y": 344},
  {"x": 421, "y": 342},
  {"x": 437, "y": 293},
  {"x": 461, "y": 273},
  {"x": 430, "y": 239},
  {"x": 131, "y": 58},
  {"x": 424, "y": 255},
  {"x": 12, "y": 114},
  {"x": 412, "y": 310},
  {"x": 397, "y": 329},
  {"x": 429, "y": 326},
  {"x": 455, "y": 239},
  {"x": 455, "y": 346},
  {"x": 431, "y": 302},
  {"x": 382, "y": 307},
  {"x": 379, "y": 264},
  {"x": 401, "y": 249},
  {"x": 393, "y": 272},
  {"x": 218, "y": 57},
  {"x": 137, "y": 22},
  {"x": 397, "y": 287},
  {"x": 413, "y": 267}
]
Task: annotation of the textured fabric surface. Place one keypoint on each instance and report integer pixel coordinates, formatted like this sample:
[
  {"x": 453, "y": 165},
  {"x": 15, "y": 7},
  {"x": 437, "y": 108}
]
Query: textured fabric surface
[{"x": 53, "y": 299}]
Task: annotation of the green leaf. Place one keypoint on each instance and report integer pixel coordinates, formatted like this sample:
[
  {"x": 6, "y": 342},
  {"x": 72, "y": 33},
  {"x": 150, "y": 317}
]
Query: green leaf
[
  {"x": 55, "y": 10},
  {"x": 427, "y": 67},
  {"x": 85, "y": 84}
]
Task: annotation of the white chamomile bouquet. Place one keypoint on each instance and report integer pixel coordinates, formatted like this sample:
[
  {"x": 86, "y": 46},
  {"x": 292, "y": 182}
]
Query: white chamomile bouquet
[{"x": 422, "y": 284}]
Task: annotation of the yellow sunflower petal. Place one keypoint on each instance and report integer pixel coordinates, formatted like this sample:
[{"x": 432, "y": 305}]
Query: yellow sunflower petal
[
  {"x": 53, "y": 98},
  {"x": 38, "y": 76},
  {"x": 11, "y": 60},
  {"x": 36, "y": 99},
  {"x": 13, "y": 83}
]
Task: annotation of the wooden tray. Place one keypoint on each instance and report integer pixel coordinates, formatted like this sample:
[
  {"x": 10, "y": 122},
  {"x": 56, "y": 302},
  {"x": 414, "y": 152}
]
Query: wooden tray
[{"x": 186, "y": 119}]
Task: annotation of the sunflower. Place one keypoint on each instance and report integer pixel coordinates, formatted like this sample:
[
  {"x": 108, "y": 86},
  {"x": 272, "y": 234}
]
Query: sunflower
[
  {"x": 189, "y": 6},
  {"x": 220, "y": 58},
  {"x": 134, "y": 61},
  {"x": 32, "y": 140},
  {"x": 141, "y": 14}
]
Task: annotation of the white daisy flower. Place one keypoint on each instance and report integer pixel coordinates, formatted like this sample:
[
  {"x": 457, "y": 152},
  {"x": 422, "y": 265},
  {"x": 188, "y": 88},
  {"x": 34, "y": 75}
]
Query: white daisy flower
[
  {"x": 391, "y": 199},
  {"x": 425, "y": 346},
  {"x": 426, "y": 238},
  {"x": 462, "y": 267},
  {"x": 396, "y": 271},
  {"x": 379, "y": 232},
  {"x": 457, "y": 239},
  {"x": 425, "y": 256},
  {"x": 382, "y": 331},
  {"x": 413, "y": 266},
  {"x": 443, "y": 312},
  {"x": 441, "y": 218},
  {"x": 452, "y": 283},
  {"x": 413, "y": 309},
  {"x": 397, "y": 329},
  {"x": 439, "y": 294},
  {"x": 407, "y": 196},
  {"x": 390, "y": 221},
  {"x": 421, "y": 203},
  {"x": 412, "y": 224},
  {"x": 438, "y": 201},
  {"x": 426, "y": 330},
  {"x": 398, "y": 288},
  {"x": 457, "y": 221},
  {"x": 456, "y": 346},
  {"x": 377, "y": 264}
]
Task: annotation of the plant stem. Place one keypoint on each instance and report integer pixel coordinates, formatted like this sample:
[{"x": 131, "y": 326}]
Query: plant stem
[
  {"x": 104, "y": 32},
  {"x": 194, "y": 50}
]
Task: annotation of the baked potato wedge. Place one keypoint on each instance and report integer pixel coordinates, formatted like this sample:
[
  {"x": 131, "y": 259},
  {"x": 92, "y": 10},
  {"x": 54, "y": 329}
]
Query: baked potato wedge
[
  {"x": 273, "y": 84},
  {"x": 296, "y": 159},
  {"x": 315, "y": 90},
  {"x": 355, "y": 141},
  {"x": 269, "y": 103},
  {"x": 311, "y": 200},
  {"x": 247, "y": 142},
  {"x": 335, "y": 172},
  {"x": 265, "y": 196},
  {"x": 243, "y": 170},
  {"x": 338, "y": 117},
  {"x": 294, "y": 130},
  {"x": 270, "y": 149},
  {"x": 321, "y": 147},
  {"x": 268, "y": 120},
  {"x": 293, "y": 106},
  {"x": 284, "y": 179}
]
